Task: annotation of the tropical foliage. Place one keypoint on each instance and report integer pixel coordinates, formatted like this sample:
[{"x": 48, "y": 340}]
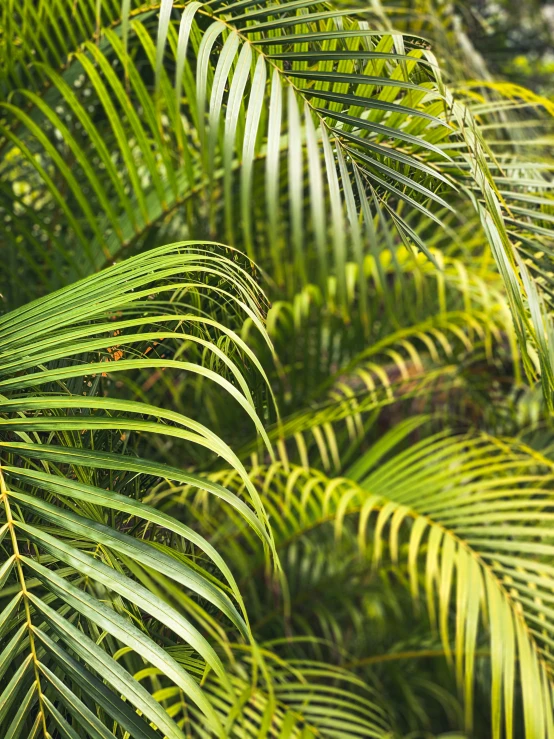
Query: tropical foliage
[{"x": 291, "y": 474}]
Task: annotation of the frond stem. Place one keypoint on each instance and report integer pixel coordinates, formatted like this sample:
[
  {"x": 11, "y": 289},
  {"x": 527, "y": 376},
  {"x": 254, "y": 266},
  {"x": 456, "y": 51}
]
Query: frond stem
[{"x": 10, "y": 521}]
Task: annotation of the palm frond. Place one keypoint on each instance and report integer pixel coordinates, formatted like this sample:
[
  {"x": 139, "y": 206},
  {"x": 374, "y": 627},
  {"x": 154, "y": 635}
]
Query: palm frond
[
  {"x": 357, "y": 120},
  {"x": 70, "y": 491},
  {"x": 469, "y": 517}
]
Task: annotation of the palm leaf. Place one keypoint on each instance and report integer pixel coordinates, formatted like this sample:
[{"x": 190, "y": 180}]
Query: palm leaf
[
  {"x": 367, "y": 107},
  {"x": 65, "y": 532},
  {"x": 469, "y": 516}
]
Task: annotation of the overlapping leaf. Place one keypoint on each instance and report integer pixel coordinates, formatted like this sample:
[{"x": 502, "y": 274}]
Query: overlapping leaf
[
  {"x": 70, "y": 492},
  {"x": 469, "y": 516}
]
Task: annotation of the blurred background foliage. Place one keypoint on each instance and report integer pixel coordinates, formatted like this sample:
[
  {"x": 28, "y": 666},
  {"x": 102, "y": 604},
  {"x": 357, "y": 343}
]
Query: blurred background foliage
[{"x": 516, "y": 40}]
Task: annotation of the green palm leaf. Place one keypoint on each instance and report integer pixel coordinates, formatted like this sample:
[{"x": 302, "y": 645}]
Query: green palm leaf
[
  {"x": 344, "y": 111},
  {"x": 67, "y": 548},
  {"x": 448, "y": 507}
]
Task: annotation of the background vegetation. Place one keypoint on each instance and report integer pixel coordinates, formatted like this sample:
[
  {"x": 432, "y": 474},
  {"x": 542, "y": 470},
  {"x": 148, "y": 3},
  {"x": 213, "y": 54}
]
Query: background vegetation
[{"x": 276, "y": 369}]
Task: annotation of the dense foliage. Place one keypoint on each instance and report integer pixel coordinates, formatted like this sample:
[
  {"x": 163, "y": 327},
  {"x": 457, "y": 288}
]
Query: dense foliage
[{"x": 277, "y": 373}]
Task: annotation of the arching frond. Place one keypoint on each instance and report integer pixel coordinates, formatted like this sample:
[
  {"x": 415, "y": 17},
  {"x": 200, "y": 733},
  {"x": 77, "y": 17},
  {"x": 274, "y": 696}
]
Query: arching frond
[
  {"x": 469, "y": 517},
  {"x": 70, "y": 492},
  {"x": 343, "y": 123}
]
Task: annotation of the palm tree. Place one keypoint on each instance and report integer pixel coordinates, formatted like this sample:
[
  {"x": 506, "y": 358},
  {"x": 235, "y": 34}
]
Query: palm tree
[{"x": 291, "y": 474}]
